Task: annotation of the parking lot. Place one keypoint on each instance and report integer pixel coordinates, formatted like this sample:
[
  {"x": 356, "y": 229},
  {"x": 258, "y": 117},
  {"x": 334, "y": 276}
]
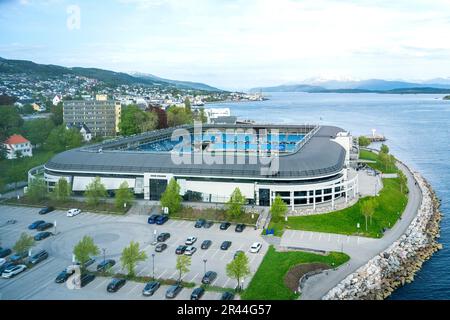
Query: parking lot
[{"x": 113, "y": 233}]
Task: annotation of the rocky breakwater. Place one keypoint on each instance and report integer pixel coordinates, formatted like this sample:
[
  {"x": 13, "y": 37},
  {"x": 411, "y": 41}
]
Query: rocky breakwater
[{"x": 397, "y": 265}]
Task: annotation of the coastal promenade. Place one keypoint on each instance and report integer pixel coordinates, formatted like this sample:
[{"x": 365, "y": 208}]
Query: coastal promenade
[{"x": 360, "y": 250}]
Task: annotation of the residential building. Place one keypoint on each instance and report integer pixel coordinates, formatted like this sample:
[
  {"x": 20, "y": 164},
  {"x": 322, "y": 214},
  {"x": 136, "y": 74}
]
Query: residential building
[
  {"x": 101, "y": 116},
  {"x": 16, "y": 145}
]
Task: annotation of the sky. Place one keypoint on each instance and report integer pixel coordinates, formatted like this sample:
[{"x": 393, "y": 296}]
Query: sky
[{"x": 235, "y": 44}]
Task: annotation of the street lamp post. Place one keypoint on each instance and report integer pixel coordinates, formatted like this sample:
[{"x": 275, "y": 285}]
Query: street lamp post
[
  {"x": 242, "y": 284},
  {"x": 204, "y": 264},
  {"x": 153, "y": 259},
  {"x": 104, "y": 254}
]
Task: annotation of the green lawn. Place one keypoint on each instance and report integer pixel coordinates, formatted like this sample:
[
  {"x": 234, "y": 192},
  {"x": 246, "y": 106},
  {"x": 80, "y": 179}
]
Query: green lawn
[
  {"x": 391, "y": 204},
  {"x": 369, "y": 155},
  {"x": 213, "y": 214},
  {"x": 268, "y": 281},
  {"x": 17, "y": 170}
]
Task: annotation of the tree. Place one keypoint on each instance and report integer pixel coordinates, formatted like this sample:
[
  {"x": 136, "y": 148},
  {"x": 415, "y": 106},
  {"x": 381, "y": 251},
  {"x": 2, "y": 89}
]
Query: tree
[
  {"x": 10, "y": 121},
  {"x": 37, "y": 190},
  {"x": 238, "y": 268},
  {"x": 363, "y": 141},
  {"x": 61, "y": 138},
  {"x": 183, "y": 264},
  {"x": 3, "y": 151},
  {"x": 403, "y": 180},
  {"x": 200, "y": 115},
  {"x": 171, "y": 197},
  {"x": 384, "y": 149},
  {"x": 57, "y": 114},
  {"x": 187, "y": 103},
  {"x": 368, "y": 209},
  {"x": 95, "y": 192},
  {"x": 84, "y": 250},
  {"x": 37, "y": 131},
  {"x": 124, "y": 196},
  {"x": 134, "y": 120},
  {"x": 235, "y": 204},
  {"x": 62, "y": 191},
  {"x": 178, "y": 116},
  {"x": 25, "y": 243},
  {"x": 278, "y": 209},
  {"x": 130, "y": 257}
]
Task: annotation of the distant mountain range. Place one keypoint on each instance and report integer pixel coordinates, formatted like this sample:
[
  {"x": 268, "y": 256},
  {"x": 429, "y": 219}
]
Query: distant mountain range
[
  {"x": 363, "y": 86},
  {"x": 108, "y": 77}
]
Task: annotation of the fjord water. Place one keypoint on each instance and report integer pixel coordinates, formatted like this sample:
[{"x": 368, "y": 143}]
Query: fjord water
[{"x": 418, "y": 132}]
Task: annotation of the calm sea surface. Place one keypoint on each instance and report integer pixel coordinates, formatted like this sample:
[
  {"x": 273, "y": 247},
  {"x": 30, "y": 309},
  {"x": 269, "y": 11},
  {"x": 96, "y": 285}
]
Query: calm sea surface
[{"x": 418, "y": 132}]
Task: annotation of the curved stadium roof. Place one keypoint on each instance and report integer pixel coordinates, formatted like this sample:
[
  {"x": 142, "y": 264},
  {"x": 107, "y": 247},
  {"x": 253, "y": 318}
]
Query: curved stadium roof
[{"x": 318, "y": 157}]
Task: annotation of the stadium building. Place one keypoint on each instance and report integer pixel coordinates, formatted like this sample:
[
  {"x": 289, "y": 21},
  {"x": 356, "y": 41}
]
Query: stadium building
[{"x": 304, "y": 164}]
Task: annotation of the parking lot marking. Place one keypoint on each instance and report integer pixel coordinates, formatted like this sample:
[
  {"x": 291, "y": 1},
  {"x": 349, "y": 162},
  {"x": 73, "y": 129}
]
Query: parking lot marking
[
  {"x": 133, "y": 289},
  {"x": 196, "y": 275},
  {"x": 160, "y": 276},
  {"x": 217, "y": 251},
  {"x": 226, "y": 283},
  {"x": 103, "y": 282},
  {"x": 173, "y": 275}
]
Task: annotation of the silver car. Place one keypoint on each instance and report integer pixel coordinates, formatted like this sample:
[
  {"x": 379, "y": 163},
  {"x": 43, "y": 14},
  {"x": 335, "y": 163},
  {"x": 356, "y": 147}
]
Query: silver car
[{"x": 13, "y": 270}]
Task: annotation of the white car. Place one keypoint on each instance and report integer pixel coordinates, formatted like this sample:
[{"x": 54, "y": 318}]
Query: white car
[
  {"x": 255, "y": 247},
  {"x": 2, "y": 261},
  {"x": 13, "y": 270},
  {"x": 73, "y": 212},
  {"x": 190, "y": 250},
  {"x": 190, "y": 241}
]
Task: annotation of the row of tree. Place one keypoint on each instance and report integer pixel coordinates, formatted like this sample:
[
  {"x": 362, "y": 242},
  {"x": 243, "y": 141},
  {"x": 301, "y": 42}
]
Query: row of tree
[
  {"x": 95, "y": 193},
  {"x": 132, "y": 255}
]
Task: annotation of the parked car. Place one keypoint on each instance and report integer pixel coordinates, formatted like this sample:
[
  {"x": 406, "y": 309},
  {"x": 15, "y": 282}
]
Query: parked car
[
  {"x": 163, "y": 237},
  {"x": 162, "y": 219},
  {"x": 4, "y": 252},
  {"x": 190, "y": 241},
  {"x": 180, "y": 249},
  {"x": 88, "y": 263},
  {"x": 86, "y": 279},
  {"x": 227, "y": 296},
  {"x": 225, "y": 245},
  {"x": 73, "y": 212},
  {"x": 38, "y": 257},
  {"x": 152, "y": 218},
  {"x": 150, "y": 288},
  {"x": 105, "y": 265},
  {"x": 237, "y": 253},
  {"x": 160, "y": 247},
  {"x": 44, "y": 226},
  {"x": 35, "y": 224},
  {"x": 2, "y": 261},
  {"x": 208, "y": 224},
  {"x": 115, "y": 285},
  {"x": 225, "y": 225},
  {"x": 197, "y": 293},
  {"x": 240, "y": 227},
  {"x": 46, "y": 210},
  {"x": 14, "y": 270},
  {"x": 173, "y": 291},
  {"x": 206, "y": 244},
  {"x": 255, "y": 247},
  {"x": 200, "y": 223},
  {"x": 64, "y": 275},
  {"x": 42, "y": 235},
  {"x": 5, "y": 266},
  {"x": 17, "y": 257},
  {"x": 209, "y": 277},
  {"x": 190, "y": 250}
]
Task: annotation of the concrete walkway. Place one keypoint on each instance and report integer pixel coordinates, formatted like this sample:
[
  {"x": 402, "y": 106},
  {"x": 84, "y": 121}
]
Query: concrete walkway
[{"x": 360, "y": 249}]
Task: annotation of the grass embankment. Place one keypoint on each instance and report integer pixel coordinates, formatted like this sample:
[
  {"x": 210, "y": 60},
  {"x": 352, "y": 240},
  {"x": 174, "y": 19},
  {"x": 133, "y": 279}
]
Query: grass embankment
[
  {"x": 369, "y": 155},
  {"x": 268, "y": 282},
  {"x": 103, "y": 207},
  {"x": 212, "y": 214},
  {"x": 17, "y": 170},
  {"x": 391, "y": 203}
]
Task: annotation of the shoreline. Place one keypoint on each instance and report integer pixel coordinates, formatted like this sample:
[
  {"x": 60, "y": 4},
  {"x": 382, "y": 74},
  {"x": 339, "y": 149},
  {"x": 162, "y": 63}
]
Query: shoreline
[{"x": 399, "y": 263}]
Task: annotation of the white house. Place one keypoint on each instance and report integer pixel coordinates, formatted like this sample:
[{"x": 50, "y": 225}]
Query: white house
[
  {"x": 18, "y": 145},
  {"x": 57, "y": 99},
  {"x": 84, "y": 130},
  {"x": 215, "y": 113}
]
